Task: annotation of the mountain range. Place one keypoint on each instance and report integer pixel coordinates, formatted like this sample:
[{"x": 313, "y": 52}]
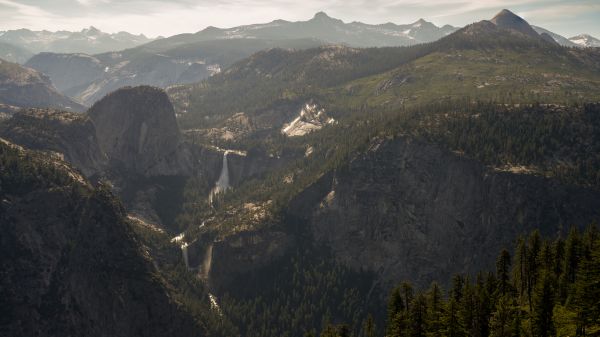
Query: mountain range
[
  {"x": 89, "y": 40},
  {"x": 189, "y": 58}
]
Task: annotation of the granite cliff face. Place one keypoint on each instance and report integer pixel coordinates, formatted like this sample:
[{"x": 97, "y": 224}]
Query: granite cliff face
[
  {"x": 137, "y": 130},
  {"x": 410, "y": 210},
  {"x": 72, "y": 266},
  {"x": 70, "y": 134}
]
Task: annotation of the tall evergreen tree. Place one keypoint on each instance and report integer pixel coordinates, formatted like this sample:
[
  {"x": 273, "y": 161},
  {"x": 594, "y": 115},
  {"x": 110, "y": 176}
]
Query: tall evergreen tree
[
  {"x": 542, "y": 323},
  {"x": 368, "y": 328},
  {"x": 434, "y": 310},
  {"x": 418, "y": 316},
  {"x": 586, "y": 300},
  {"x": 572, "y": 255},
  {"x": 468, "y": 308},
  {"x": 458, "y": 282},
  {"x": 520, "y": 269},
  {"x": 407, "y": 293},
  {"x": 451, "y": 320},
  {"x": 502, "y": 320},
  {"x": 532, "y": 266},
  {"x": 503, "y": 272},
  {"x": 395, "y": 305}
]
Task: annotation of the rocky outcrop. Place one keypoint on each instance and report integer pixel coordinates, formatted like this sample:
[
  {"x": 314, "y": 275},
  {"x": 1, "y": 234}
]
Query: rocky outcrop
[
  {"x": 412, "y": 211},
  {"x": 25, "y": 87},
  {"x": 69, "y": 262},
  {"x": 70, "y": 134},
  {"x": 137, "y": 130}
]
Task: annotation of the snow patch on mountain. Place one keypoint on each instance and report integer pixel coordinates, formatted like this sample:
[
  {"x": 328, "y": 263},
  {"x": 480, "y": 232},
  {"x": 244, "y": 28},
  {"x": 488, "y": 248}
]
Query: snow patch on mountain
[
  {"x": 585, "y": 40},
  {"x": 310, "y": 118}
]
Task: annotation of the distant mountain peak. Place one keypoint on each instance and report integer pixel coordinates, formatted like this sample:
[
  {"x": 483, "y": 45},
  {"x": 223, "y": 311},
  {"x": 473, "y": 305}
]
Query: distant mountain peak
[
  {"x": 506, "y": 13},
  {"x": 323, "y": 17},
  {"x": 91, "y": 30},
  {"x": 506, "y": 19}
]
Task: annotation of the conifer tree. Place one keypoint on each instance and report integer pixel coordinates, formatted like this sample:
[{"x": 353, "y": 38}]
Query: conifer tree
[
  {"x": 502, "y": 320},
  {"x": 434, "y": 310},
  {"x": 451, "y": 320},
  {"x": 542, "y": 323},
  {"x": 369, "y": 327},
  {"x": 586, "y": 300},
  {"x": 418, "y": 316}
]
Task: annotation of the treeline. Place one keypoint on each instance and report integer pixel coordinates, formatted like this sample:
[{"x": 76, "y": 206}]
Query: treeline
[{"x": 548, "y": 288}]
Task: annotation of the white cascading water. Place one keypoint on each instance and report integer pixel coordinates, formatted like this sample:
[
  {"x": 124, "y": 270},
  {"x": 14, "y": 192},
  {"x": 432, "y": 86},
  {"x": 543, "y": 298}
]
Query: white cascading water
[
  {"x": 206, "y": 264},
  {"x": 184, "y": 248},
  {"x": 184, "y": 252},
  {"x": 223, "y": 182}
]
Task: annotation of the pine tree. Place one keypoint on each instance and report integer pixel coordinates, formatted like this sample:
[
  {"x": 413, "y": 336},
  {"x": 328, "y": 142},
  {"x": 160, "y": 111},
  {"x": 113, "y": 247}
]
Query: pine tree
[
  {"x": 434, "y": 310},
  {"x": 532, "y": 266},
  {"x": 369, "y": 327},
  {"x": 543, "y": 307},
  {"x": 467, "y": 309},
  {"x": 502, "y": 320},
  {"x": 519, "y": 269},
  {"x": 503, "y": 272},
  {"x": 418, "y": 316},
  {"x": 399, "y": 325},
  {"x": 558, "y": 248},
  {"x": 451, "y": 320},
  {"x": 572, "y": 255},
  {"x": 395, "y": 305},
  {"x": 407, "y": 293},
  {"x": 458, "y": 283},
  {"x": 586, "y": 300},
  {"x": 484, "y": 310}
]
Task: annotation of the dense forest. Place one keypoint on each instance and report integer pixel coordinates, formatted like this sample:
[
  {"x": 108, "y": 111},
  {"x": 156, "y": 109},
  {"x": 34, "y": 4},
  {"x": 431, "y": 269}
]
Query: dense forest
[{"x": 547, "y": 287}]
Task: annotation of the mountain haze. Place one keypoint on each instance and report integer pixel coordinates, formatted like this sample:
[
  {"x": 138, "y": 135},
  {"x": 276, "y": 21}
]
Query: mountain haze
[
  {"x": 89, "y": 40},
  {"x": 24, "y": 87}
]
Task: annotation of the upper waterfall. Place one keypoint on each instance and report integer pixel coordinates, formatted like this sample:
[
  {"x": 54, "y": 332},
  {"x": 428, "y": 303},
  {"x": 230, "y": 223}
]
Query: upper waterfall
[{"x": 222, "y": 183}]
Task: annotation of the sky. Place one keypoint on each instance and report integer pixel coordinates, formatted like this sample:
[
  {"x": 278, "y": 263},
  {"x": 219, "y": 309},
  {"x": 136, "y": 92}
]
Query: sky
[{"x": 166, "y": 18}]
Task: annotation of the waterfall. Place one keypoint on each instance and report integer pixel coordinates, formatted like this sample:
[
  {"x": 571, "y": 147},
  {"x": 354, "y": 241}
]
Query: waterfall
[
  {"x": 184, "y": 252},
  {"x": 214, "y": 305},
  {"x": 222, "y": 183},
  {"x": 207, "y": 262}
]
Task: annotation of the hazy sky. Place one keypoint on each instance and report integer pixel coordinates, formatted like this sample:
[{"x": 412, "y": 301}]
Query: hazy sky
[{"x": 157, "y": 17}]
